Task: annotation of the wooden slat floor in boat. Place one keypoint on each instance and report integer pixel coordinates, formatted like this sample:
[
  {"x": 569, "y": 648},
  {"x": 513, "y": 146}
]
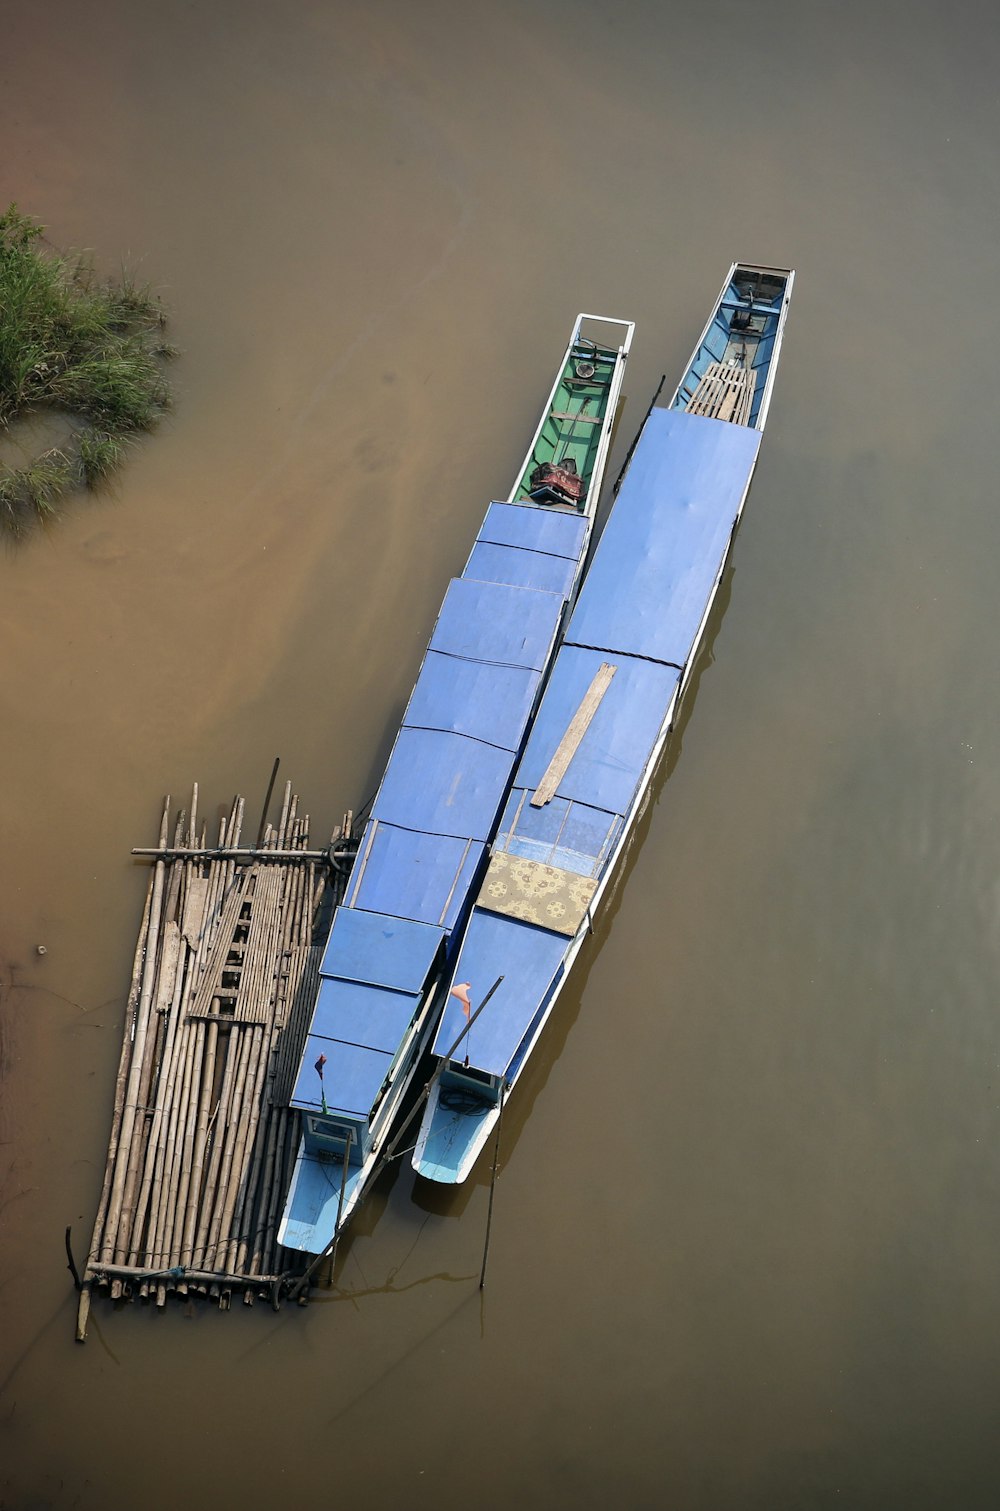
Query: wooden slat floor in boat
[{"x": 724, "y": 393}]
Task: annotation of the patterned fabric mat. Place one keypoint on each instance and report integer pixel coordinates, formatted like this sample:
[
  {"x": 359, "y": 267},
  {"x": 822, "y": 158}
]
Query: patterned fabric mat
[{"x": 544, "y": 895}]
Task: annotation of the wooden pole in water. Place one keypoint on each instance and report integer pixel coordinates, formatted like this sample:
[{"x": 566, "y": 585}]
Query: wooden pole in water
[
  {"x": 493, "y": 1182},
  {"x": 267, "y": 800}
]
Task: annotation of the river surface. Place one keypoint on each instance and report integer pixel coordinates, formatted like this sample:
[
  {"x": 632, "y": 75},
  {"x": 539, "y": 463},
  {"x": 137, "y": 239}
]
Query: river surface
[{"x": 746, "y": 1243}]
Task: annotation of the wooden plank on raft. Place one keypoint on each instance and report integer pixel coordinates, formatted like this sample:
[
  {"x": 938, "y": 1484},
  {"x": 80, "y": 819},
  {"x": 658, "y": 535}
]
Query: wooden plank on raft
[{"x": 575, "y": 731}]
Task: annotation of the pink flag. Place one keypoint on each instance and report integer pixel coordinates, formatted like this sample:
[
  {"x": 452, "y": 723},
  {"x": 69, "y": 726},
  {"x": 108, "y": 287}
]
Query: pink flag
[{"x": 461, "y": 991}]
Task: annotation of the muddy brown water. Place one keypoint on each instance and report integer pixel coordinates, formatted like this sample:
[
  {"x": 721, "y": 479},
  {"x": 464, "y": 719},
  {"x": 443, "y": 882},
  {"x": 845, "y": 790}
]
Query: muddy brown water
[{"x": 745, "y": 1247}]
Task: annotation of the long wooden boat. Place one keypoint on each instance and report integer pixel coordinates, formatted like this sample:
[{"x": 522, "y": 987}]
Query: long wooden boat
[
  {"x": 426, "y": 844},
  {"x": 603, "y": 721}
]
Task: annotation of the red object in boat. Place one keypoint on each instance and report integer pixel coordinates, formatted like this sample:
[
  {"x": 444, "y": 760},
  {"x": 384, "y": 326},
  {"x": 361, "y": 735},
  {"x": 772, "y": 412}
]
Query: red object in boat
[{"x": 558, "y": 482}]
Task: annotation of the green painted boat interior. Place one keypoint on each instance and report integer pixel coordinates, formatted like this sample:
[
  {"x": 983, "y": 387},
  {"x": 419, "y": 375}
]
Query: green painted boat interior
[{"x": 571, "y": 432}]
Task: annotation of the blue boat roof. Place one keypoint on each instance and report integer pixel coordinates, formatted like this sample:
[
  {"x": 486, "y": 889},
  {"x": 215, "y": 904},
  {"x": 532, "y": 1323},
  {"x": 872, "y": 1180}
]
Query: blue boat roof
[
  {"x": 476, "y": 698},
  {"x": 574, "y": 836},
  {"x": 493, "y": 621},
  {"x": 353, "y": 1075},
  {"x": 528, "y": 959},
  {"x": 373, "y": 971},
  {"x": 520, "y": 568},
  {"x": 370, "y": 1017},
  {"x": 443, "y": 784},
  {"x": 640, "y": 610},
  {"x": 536, "y": 529},
  {"x": 609, "y": 760},
  {"x": 438, "y": 803},
  {"x": 666, "y": 538},
  {"x": 390, "y": 952},
  {"x": 408, "y": 874}
]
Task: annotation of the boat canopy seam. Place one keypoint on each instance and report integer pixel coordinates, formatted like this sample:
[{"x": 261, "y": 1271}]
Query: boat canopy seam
[
  {"x": 435, "y": 729},
  {"x": 608, "y": 650}
]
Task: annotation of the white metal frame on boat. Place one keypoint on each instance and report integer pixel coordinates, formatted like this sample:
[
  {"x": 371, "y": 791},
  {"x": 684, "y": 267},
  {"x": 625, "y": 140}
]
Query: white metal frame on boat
[{"x": 614, "y": 393}]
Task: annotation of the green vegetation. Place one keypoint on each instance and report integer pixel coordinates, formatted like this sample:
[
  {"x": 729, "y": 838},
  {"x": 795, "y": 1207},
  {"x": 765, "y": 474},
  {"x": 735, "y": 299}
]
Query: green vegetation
[{"x": 84, "y": 353}]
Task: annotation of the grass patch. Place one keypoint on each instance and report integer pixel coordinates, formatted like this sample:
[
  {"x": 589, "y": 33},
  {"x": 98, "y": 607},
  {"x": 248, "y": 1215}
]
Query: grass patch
[{"x": 72, "y": 345}]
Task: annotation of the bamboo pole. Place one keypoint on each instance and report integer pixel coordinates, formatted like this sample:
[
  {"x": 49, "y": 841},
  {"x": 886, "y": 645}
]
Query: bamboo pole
[
  {"x": 124, "y": 1061},
  {"x": 229, "y": 1045},
  {"x": 262, "y": 1204},
  {"x": 153, "y": 1144},
  {"x": 138, "y": 1045},
  {"x": 196, "y": 1187},
  {"x": 249, "y": 1112},
  {"x": 226, "y": 1165},
  {"x": 214, "y": 1277},
  {"x": 262, "y": 852},
  {"x": 191, "y": 1104}
]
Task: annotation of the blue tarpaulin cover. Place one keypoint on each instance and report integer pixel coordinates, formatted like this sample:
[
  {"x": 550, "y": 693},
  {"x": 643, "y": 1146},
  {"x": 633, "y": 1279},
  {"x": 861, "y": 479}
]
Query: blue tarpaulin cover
[
  {"x": 640, "y": 609},
  {"x": 525, "y": 569},
  {"x": 572, "y": 835},
  {"x": 476, "y": 698},
  {"x": 527, "y": 958},
  {"x": 656, "y": 564},
  {"x": 389, "y": 952},
  {"x": 535, "y": 529},
  {"x": 612, "y": 754},
  {"x": 439, "y": 800},
  {"x": 443, "y": 784},
  {"x": 491, "y": 621},
  {"x": 413, "y": 875},
  {"x": 352, "y": 1076},
  {"x": 370, "y": 1016}
]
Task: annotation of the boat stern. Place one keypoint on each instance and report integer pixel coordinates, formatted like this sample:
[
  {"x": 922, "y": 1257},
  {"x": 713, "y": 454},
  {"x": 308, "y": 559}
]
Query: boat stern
[{"x": 461, "y": 1112}]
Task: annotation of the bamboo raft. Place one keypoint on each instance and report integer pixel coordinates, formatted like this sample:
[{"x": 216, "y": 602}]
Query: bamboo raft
[{"x": 202, "y": 1140}]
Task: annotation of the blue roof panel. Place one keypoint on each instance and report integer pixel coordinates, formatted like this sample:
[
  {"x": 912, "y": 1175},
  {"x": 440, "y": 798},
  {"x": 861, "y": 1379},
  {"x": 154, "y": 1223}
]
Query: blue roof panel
[
  {"x": 443, "y": 784},
  {"x": 369, "y": 1016},
  {"x": 614, "y": 750},
  {"x": 492, "y": 621},
  {"x": 536, "y": 528},
  {"x": 413, "y": 875},
  {"x": 574, "y": 836},
  {"x": 528, "y": 959},
  {"x": 475, "y": 698},
  {"x": 525, "y": 569},
  {"x": 369, "y": 947},
  {"x": 352, "y": 1077},
  {"x": 666, "y": 538}
]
